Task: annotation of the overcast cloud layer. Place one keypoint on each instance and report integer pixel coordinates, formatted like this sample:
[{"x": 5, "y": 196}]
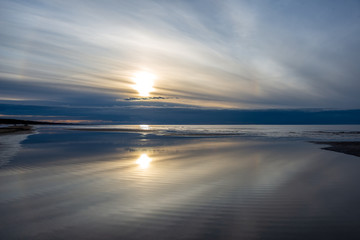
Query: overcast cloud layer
[{"x": 238, "y": 54}]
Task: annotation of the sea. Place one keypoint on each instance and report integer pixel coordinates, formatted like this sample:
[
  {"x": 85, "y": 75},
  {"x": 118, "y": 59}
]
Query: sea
[{"x": 179, "y": 182}]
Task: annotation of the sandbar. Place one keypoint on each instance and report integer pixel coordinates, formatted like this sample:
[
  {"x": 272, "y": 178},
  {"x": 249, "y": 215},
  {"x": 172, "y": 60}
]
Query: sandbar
[{"x": 351, "y": 148}]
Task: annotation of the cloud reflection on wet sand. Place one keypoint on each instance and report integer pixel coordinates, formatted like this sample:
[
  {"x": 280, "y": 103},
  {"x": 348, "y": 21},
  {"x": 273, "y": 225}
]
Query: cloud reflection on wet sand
[{"x": 216, "y": 188}]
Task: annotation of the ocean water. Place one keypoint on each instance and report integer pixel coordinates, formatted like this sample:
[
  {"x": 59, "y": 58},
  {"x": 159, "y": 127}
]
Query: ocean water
[
  {"x": 179, "y": 182},
  {"x": 290, "y": 132}
]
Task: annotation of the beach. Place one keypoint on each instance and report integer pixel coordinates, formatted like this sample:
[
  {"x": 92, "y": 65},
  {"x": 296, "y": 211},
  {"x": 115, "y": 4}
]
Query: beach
[
  {"x": 124, "y": 185},
  {"x": 179, "y": 120}
]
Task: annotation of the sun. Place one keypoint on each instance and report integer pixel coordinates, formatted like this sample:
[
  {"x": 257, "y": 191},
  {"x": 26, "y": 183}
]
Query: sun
[{"x": 144, "y": 82}]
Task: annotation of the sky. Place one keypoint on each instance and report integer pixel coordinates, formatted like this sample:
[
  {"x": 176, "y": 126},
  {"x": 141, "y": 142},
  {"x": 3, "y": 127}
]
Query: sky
[{"x": 268, "y": 54}]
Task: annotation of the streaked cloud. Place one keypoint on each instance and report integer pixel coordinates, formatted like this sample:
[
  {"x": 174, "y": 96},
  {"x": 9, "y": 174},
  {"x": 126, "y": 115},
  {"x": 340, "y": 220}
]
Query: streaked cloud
[
  {"x": 237, "y": 54},
  {"x": 147, "y": 98}
]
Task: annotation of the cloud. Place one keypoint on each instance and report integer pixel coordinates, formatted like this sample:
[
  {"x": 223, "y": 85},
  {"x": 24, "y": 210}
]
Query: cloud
[
  {"x": 147, "y": 98},
  {"x": 237, "y": 54}
]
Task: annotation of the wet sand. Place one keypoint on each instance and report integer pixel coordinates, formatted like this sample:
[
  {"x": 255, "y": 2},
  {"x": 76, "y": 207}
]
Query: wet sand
[
  {"x": 346, "y": 147},
  {"x": 351, "y": 148},
  {"x": 60, "y": 184}
]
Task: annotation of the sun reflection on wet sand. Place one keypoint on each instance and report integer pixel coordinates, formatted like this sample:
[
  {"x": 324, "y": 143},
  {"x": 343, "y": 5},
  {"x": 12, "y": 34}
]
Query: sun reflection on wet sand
[{"x": 143, "y": 161}]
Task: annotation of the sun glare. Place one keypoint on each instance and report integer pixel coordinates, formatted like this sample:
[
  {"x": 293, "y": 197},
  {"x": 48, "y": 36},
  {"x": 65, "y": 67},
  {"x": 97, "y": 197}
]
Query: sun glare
[
  {"x": 144, "y": 127},
  {"x": 143, "y": 161},
  {"x": 144, "y": 82}
]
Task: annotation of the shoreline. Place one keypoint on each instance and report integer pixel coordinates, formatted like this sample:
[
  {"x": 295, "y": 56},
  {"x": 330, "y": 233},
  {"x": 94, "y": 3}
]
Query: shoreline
[
  {"x": 345, "y": 147},
  {"x": 150, "y": 131},
  {"x": 15, "y": 129}
]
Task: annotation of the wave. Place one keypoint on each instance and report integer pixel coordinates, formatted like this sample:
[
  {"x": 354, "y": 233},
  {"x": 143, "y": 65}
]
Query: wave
[{"x": 329, "y": 132}]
